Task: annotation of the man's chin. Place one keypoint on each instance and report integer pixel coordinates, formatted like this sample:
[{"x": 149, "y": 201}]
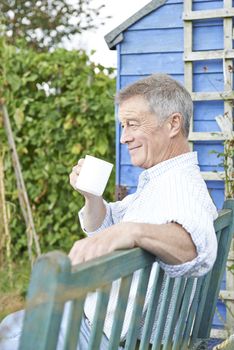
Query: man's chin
[{"x": 136, "y": 162}]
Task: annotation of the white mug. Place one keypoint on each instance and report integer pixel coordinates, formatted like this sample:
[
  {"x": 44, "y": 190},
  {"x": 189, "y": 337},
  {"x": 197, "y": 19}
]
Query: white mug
[{"x": 94, "y": 175}]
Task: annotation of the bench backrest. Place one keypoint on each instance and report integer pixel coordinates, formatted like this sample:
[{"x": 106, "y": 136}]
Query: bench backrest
[{"x": 186, "y": 319}]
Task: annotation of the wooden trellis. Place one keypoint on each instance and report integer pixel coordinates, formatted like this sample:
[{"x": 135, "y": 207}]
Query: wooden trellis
[{"x": 227, "y": 55}]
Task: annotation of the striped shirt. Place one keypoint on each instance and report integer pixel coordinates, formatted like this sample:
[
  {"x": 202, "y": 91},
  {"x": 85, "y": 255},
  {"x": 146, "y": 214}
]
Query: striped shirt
[{"x": 171, "y": 191}]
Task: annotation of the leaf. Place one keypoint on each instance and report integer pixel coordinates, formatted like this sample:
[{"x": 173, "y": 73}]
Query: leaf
[
  {"x": 76, "y": 149},
  {"x": 101, "y": 145},
  {"x": 15, "y": 81},
  {"x": 19, "y": 117}
]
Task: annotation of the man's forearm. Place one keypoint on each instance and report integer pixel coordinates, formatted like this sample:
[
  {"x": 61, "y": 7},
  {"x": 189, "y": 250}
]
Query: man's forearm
[
  {"x": 94, "y": 213},
  {"x": 169, "y": 242}
]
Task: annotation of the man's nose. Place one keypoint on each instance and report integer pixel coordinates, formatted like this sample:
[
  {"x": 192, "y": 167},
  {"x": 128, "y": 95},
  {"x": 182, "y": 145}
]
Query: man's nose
[{"x": 126, "y": 136}]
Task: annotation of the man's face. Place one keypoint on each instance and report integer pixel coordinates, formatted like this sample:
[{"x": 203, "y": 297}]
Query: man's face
[{"x": 148, "y": 142}]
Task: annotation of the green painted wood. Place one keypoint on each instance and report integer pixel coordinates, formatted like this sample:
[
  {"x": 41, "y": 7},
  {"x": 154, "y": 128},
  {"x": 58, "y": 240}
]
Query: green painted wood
[
  {"x": 165, "y": 303},
  {"x": 178, "y": 339},
  {"x": 217, "y": 274},
  {"x": 120, "y": 313},
  {"x": 106, "y": 269},
  {"x": 52, "y": 284},
  {"x": 74, "y": 322},
  {"x": 137, "y": 309},
  {"x": 192, "y": 312},
  {"x": 99, "y": 318},
  {"x": 151, "y": 310},
  {"x": 223, "y": 220},
  {"x": 45, "y": 302},
  {"x": 202, "y": 301},
  {"x": 174, "y": 312}
]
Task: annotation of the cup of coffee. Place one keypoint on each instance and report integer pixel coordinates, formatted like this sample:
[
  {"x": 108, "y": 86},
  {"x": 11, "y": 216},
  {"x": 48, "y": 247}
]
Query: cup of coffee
[{"x": 94, "y": 175}]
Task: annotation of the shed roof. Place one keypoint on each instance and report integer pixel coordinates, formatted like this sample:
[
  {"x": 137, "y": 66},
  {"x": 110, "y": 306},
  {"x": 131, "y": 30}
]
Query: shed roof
[{"x": 116, "y": 35}]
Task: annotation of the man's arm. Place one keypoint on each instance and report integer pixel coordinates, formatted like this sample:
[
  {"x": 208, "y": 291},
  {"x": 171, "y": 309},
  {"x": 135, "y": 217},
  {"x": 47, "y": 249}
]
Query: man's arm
[
  {"x": 93, "y": 213},
  {"x": 169, "y": 242}
]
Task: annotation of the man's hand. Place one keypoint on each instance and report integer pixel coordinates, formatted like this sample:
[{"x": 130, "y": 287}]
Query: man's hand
[
  {"x": 75, "y": 173},
  {"x": 104, "y": 242},
  {"x": 94, "y": 209},
  {"x": 73, "y": 178},
  {"x": 170, "y": 242}
]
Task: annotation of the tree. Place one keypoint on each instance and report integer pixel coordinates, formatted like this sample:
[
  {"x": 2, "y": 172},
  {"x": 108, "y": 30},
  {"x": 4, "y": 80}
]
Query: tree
[{"x": 46, "y": 23}]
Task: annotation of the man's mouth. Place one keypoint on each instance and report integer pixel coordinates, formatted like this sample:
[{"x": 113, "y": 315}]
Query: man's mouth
[{"x": 133, "y": 148}]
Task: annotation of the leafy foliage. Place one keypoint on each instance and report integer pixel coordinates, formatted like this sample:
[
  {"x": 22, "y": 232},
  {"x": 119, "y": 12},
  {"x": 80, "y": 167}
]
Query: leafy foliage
[
  {"x": 61, "y": 107},
  {"x": 45, "y": 23}
]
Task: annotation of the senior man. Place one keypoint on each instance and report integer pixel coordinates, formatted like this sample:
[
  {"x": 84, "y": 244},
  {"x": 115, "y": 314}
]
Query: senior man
[{"x": 171, "y": 213}]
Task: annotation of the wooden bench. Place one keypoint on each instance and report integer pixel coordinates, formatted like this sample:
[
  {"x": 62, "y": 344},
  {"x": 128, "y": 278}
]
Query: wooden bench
[{"x": 53, "y": 282}]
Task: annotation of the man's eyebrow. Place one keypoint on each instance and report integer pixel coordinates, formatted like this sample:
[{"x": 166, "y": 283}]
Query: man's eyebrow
[{"x": 128, "y": 120}]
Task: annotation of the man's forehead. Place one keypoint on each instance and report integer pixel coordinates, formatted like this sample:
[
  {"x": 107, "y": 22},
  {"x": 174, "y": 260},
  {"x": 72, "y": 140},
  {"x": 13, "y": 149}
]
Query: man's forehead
[
  {"x": 128, "y": 115},
  {"x": 133, "y": 111}
]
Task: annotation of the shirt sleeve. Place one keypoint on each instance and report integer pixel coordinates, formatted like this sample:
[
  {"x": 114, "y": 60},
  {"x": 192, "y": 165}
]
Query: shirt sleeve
[
  {"x": 191, "y": 206},
  {"x": 114, "y": 214}
]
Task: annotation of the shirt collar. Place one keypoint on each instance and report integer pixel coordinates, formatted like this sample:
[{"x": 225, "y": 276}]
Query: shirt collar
[{"x": 189, "y": 158}]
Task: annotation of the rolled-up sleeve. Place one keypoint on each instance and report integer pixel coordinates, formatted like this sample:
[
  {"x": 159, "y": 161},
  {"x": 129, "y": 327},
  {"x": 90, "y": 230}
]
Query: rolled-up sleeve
[
  {"x": 204, "y": 239},
  {"x": 114, "y": 214},
  {"x": 192, "y": 208},
  {"x": 106, "y": 222}
]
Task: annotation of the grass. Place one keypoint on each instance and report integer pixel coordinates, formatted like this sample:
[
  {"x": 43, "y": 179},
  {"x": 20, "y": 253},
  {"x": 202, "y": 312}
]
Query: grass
[{"x": 12, "y": 294}]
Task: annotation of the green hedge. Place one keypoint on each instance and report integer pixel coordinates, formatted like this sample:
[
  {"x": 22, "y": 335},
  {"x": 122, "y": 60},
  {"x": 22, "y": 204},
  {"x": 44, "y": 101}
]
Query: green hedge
[{"x": 61, "y": 107}]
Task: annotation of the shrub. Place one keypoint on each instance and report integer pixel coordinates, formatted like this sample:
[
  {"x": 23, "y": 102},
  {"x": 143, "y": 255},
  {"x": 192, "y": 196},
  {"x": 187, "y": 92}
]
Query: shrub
[{"x": 61, "y": 107}]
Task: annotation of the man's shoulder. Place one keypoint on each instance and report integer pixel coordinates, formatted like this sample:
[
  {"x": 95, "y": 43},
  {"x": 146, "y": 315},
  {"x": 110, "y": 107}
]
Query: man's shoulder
[
  {"x": 186, "y": 182},
  {"x": 189, "y": 175}
]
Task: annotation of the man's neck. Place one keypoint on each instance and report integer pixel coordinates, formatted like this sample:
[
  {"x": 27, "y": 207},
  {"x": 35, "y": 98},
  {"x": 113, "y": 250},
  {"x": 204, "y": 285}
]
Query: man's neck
[{"x": 178, "y": 147}]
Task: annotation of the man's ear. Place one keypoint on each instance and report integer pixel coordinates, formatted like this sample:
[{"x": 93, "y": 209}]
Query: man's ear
[{"x": 175, "y": 124}]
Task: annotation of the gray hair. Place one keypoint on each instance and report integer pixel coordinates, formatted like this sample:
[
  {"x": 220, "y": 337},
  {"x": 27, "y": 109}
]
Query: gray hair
[{"x": 164, "y": 95}]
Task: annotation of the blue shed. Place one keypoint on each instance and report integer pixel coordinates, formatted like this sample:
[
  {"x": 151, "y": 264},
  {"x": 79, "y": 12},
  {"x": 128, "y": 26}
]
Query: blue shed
[{"x": 193, "y": 42}]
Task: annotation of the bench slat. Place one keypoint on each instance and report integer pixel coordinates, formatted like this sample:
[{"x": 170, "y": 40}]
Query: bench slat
[
  {"x": 152, "y": 306},
  {"x": 178, "y": 341},
  {"x": 174, "y": 312},
  {"x": 137, "y": 308},
  {"x": 99, "y": 318},
  {"x": 163, "y": 310},
  {"x": 74, "y": 322},
  {"x": 192, "y": 312},
  {"x": 119, "y": 313}
]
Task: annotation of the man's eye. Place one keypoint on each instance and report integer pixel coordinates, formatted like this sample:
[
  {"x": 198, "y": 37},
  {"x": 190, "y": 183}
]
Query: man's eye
[{"x": 128, "y": 125}]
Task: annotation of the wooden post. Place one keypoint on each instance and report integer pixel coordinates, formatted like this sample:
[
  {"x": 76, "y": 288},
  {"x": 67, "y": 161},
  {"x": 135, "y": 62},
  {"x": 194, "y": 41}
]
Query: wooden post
[
  {"x": 228, "y": 109},
  {"x": 22, "y": 193},
  {"x": 2, "y": 230},
  {"x": 45, "y": 302},
  {"x": 5, "y": 237},
  {"x": 188, "y": 65}
]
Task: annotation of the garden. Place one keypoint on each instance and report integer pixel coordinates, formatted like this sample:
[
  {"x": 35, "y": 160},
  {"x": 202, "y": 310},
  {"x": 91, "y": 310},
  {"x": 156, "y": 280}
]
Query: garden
[{"x": 59, "y": 105}]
